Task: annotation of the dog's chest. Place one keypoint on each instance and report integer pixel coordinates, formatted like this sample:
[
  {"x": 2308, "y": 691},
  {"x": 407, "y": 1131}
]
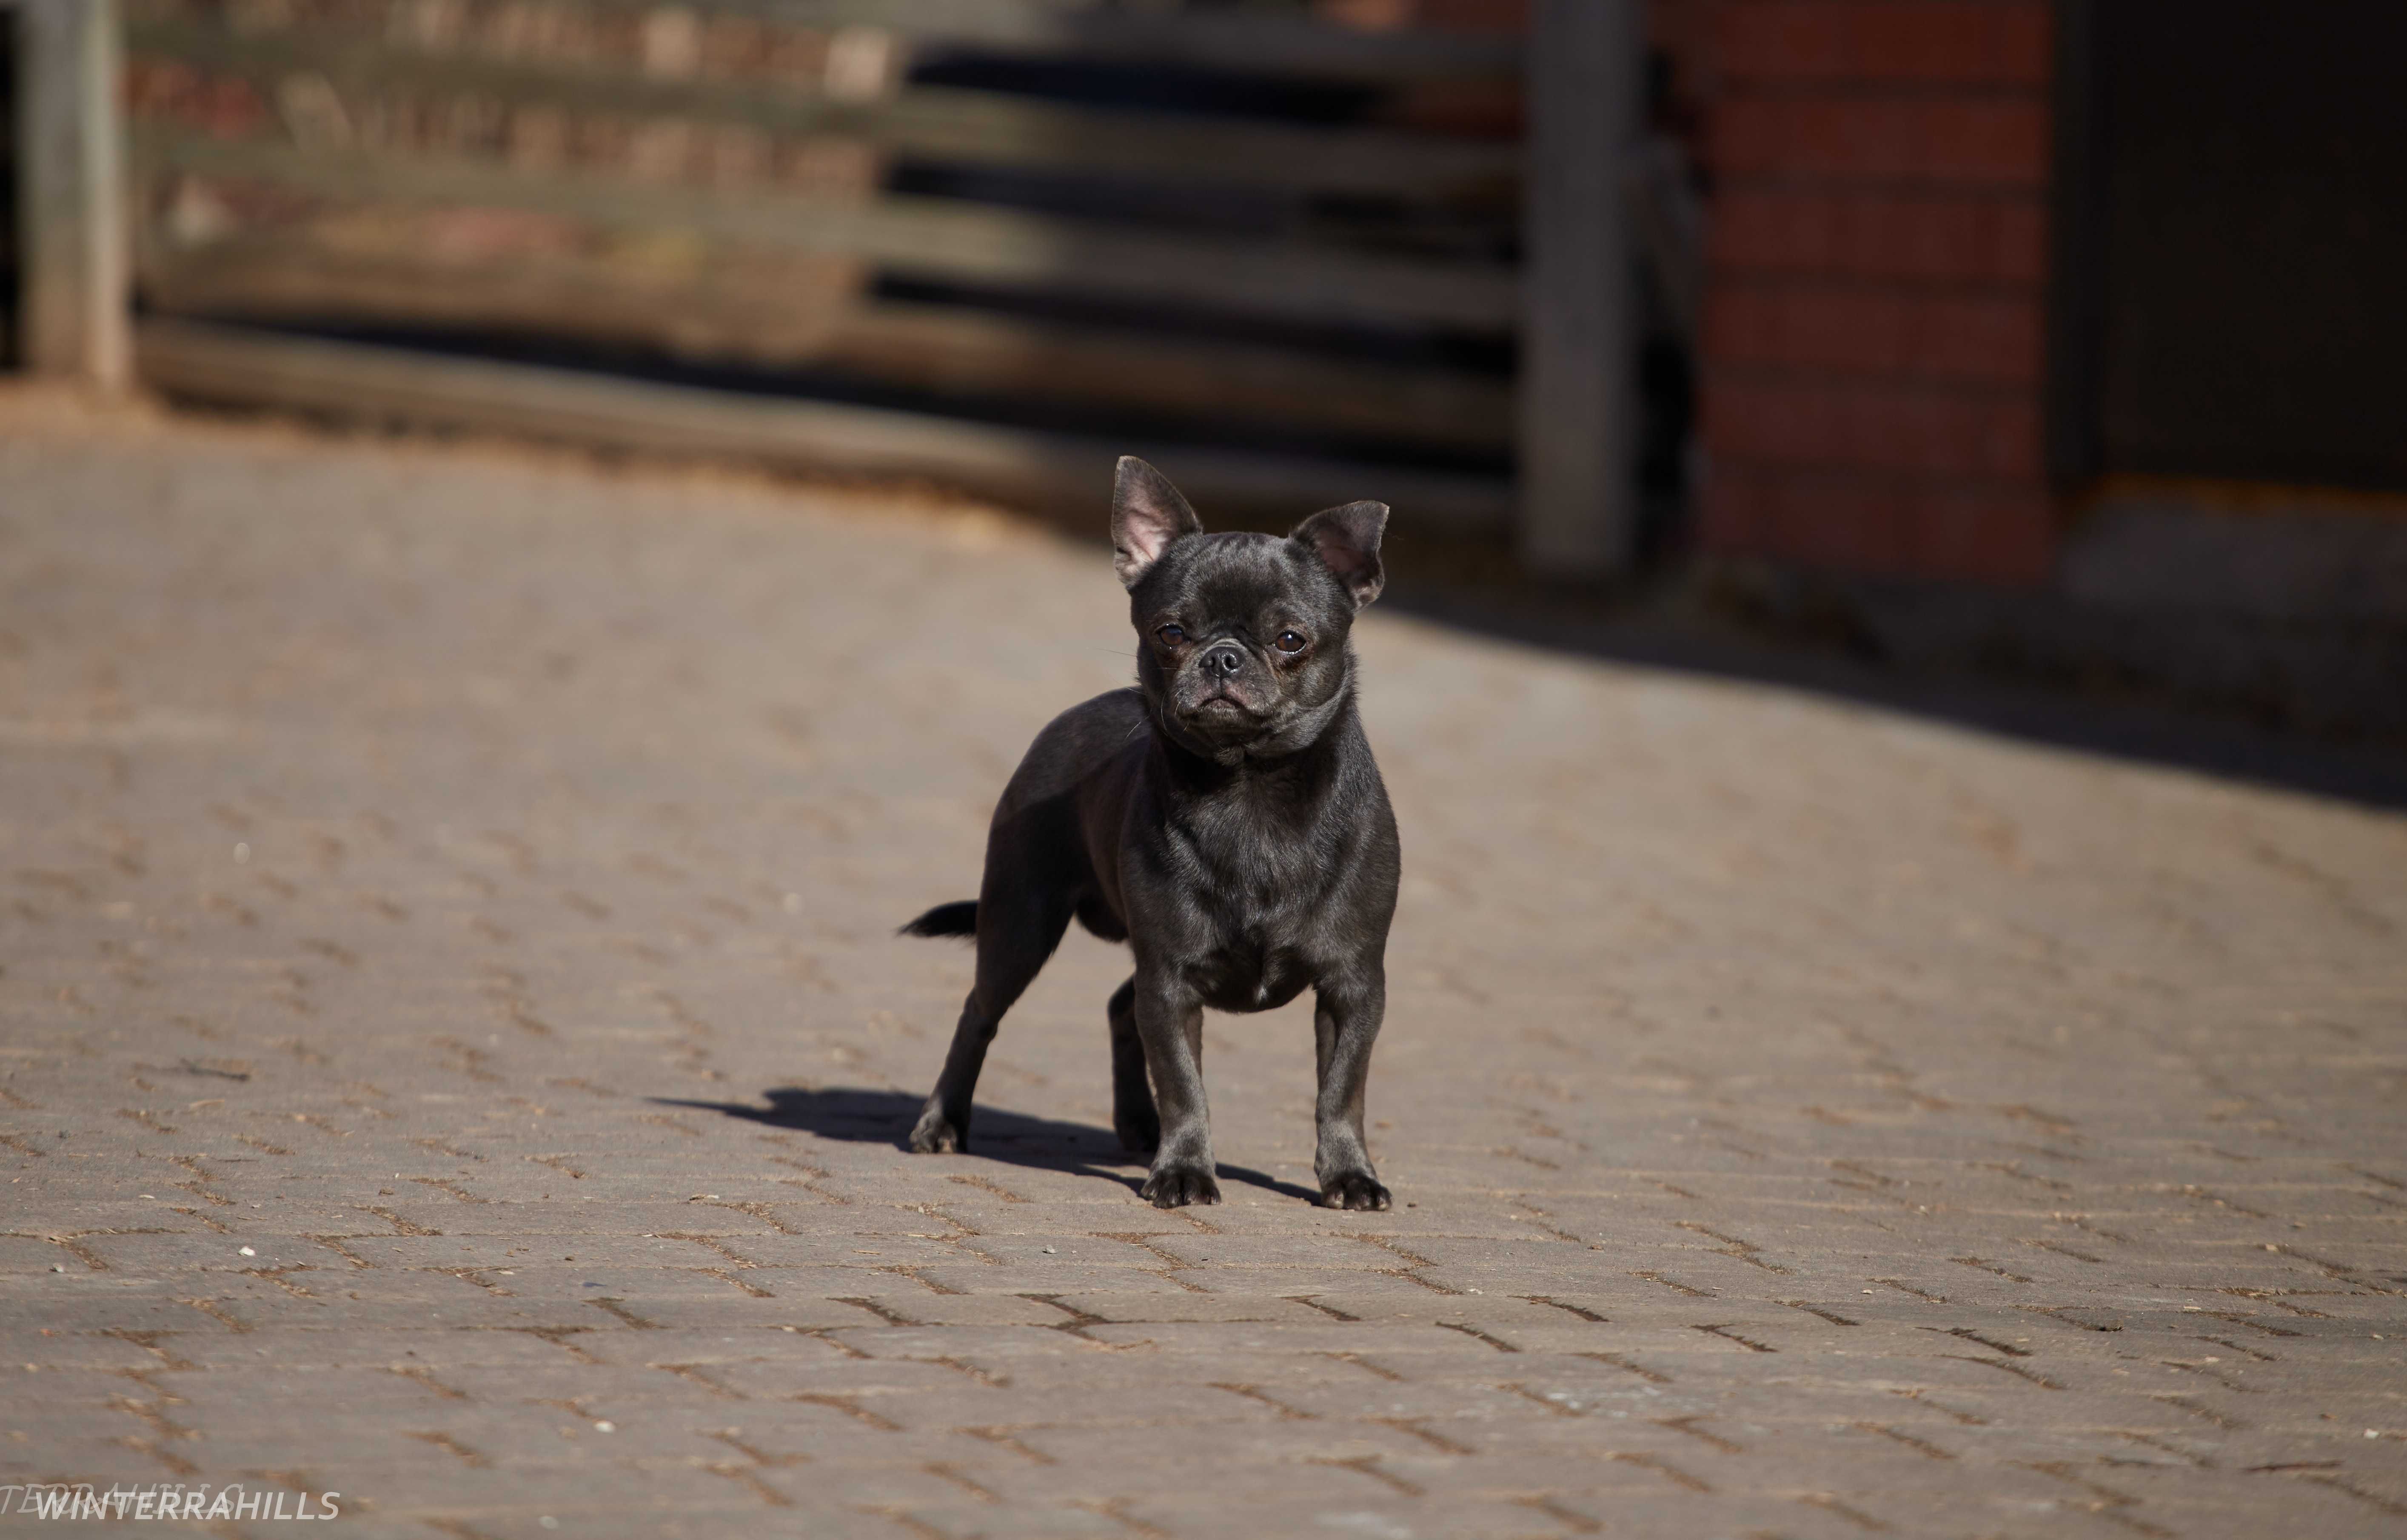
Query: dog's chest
[{"x": 1261, "y": 900}]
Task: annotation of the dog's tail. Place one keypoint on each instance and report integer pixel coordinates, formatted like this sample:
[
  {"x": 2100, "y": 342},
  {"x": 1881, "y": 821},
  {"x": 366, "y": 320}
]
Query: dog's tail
[{"x": 959, "y": 919}]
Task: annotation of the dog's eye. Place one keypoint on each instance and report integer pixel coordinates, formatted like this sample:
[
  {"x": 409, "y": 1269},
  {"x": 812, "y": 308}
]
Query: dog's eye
[
  {"x": 1172, "y": 635},
  {"x": 1290, "y": 641}
]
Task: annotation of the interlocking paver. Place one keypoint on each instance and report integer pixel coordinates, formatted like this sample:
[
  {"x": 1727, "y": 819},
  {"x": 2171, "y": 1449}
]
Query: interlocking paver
[{"x": 465, "y": 878}]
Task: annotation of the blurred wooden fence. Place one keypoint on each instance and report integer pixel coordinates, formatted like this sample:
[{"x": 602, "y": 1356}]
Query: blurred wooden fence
[{"x": 992, "y": 241}]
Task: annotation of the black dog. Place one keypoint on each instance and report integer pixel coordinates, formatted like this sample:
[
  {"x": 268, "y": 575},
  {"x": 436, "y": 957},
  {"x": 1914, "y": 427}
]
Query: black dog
[{"x": 1225, "y": 818}]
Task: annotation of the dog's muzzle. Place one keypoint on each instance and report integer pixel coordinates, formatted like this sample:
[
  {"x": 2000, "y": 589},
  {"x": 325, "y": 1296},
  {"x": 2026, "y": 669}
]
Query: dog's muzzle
[{"x": 1221, "y": 694}]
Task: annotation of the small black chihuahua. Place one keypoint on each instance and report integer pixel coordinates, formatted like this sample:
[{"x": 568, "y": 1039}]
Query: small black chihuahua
[{"x": 1225, "y": 818}]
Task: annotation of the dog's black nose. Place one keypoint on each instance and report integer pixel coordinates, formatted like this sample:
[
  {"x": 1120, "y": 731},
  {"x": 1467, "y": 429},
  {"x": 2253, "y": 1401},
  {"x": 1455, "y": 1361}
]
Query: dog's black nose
[{"x": 1225, "y": 658}]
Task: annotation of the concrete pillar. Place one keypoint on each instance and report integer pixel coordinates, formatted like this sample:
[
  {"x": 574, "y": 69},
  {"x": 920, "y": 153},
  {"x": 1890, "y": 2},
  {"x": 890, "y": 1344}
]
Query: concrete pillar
[
  {"x": 74, "y": 266},
  {"x": 1578, "y": 342}
]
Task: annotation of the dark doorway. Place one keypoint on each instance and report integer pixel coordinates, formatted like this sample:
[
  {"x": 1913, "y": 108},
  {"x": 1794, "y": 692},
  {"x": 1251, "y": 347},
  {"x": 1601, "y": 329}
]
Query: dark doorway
[{"x": 2233, "y": 233}]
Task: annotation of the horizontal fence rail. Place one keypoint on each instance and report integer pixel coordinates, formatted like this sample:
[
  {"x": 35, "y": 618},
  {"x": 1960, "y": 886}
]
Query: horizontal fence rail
[
  {"x": 916, "y": 237},
  {"x": 981, "y": 127},
  {"x": 239, "y": 365},
  {"x": 1237, "y": 39}
]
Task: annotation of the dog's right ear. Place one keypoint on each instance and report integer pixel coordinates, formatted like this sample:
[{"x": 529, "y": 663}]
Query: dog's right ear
[{"x": 1148, "y": 515}]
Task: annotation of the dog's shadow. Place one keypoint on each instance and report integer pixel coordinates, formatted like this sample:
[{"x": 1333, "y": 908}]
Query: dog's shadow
[{"x": 857, "y": 1114}]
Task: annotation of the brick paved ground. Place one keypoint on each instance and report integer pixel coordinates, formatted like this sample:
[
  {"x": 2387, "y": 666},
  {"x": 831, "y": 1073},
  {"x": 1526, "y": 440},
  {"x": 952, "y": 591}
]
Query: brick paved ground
[{"x": 455, "y": 1056}]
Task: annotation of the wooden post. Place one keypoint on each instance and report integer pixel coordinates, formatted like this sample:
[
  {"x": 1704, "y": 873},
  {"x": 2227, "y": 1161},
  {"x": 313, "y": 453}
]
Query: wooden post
[
  {"x": 1579, "y": 344},
  {"x": 73, "y": 265}
]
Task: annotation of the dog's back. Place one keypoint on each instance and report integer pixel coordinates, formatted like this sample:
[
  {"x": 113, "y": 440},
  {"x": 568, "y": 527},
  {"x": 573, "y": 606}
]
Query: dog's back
[{"x": 1057, "y": 823}]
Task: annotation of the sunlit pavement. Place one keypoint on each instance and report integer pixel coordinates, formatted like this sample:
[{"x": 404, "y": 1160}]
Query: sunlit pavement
[{"x": 456, "y": 1055}]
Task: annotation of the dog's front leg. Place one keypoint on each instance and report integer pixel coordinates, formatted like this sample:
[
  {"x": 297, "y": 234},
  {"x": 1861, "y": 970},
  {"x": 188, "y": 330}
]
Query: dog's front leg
[
  {"x": 1170, "y": 1023},
  {"x": 1345, "y": 1023}
]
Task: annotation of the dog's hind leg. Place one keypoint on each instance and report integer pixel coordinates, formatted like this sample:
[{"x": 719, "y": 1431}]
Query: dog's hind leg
[
  {"x": 1133, "y": 1118},
  {"x": 1017, "y": 928}
]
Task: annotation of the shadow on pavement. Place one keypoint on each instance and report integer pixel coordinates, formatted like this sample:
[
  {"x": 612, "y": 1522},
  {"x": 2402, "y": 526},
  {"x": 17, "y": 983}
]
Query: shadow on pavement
[
  {"x": 863, "y": 1116},
  {"x": 2145, "y": 730}
]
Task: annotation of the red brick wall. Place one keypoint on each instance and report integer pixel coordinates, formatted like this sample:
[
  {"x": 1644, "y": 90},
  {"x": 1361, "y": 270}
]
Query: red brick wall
[{"x": 1872, "y": 353}]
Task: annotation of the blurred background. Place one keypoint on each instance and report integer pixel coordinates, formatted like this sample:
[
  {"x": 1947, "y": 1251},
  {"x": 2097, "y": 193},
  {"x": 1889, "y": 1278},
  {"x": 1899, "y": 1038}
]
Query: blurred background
[{"x": 2056, "y": 339}]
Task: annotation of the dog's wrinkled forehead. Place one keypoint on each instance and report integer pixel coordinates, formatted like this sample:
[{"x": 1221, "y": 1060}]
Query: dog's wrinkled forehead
[{"x": 1235, "y": 575}]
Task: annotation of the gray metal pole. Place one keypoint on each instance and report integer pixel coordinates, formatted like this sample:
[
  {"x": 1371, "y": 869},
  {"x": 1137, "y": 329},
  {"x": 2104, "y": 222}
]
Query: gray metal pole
[
  {"x": 74, "y": 266},
  {"x": 1578, "y": 341}
]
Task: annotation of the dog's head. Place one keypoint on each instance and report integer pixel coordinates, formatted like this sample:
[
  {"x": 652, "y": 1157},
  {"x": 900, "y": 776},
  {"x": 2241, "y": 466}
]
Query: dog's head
[{"x": 1241, "y": 639}]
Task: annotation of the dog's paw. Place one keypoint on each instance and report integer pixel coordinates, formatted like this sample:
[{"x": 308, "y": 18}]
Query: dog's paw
[
  {"x": 1139, "y": 1127},
  {"x": 1355, "y": 1189},
  {"x": 937, "y": 1135},
  {"x": 1177, "y": 1186}
]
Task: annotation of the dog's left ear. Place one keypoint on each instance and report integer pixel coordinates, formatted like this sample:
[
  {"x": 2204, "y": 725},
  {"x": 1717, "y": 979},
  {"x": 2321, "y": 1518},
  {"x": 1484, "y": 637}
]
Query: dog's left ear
[{"x": 1347, "y": 539}]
